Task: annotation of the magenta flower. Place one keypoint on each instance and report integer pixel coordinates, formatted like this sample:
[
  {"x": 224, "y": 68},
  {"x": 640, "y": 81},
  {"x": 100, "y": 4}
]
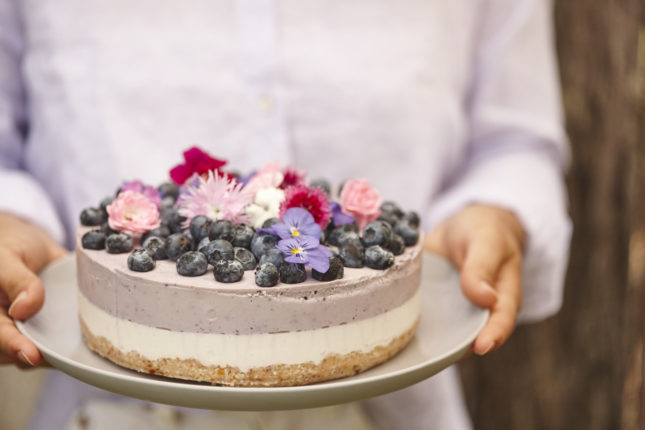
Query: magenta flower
[
  {"x": 197, "y": 161},
  {"x": 297, "y": 222},
  {"x": 306, "y": 250},
  {"x": 314, "y": 200},
  {"x": 132, "y": 212},
  {"x": 147, "y": 190},
  {"x": 217, "y": 198}
]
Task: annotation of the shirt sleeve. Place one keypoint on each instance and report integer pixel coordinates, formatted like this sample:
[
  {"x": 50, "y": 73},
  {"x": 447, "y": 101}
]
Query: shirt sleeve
[
  {"x": 517, "y": 150},
  {"x": 21, "y": 194}
]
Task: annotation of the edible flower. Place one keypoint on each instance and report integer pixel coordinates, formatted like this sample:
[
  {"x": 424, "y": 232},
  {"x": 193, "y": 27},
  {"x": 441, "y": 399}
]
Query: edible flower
[
  {"x": 314, "y": 200},
  {"x": 147, "y": 190},
  {"x": 306, "y": 250},
  {"x": 217, "y": 198},
  {"x": 361, "y": 200},
  {"x": 132, "y": 212},
  {"x": 338, "y": 216},
  {"x": 197, "y": 161},
  {"x": 297, "y": 223},
  {"x": 266, "y": 205},
  {"x": 292, "y": 177}
]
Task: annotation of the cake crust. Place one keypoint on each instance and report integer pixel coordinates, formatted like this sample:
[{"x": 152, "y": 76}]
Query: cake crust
[{"x": 332, "y": 366}]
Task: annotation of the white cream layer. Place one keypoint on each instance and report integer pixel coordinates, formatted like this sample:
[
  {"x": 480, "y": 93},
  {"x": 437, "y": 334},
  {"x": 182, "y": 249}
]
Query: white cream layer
[{"x": 254, "y": 350}]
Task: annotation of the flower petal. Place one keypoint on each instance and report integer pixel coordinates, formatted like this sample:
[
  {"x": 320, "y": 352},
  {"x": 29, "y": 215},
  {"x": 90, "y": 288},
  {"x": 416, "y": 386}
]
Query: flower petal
[
  {"x": 319, "y": 259},
  {"x": 307, "y": 242},
  {"x": 281, "y": 229},
  {"x": 286, "y": 245}
]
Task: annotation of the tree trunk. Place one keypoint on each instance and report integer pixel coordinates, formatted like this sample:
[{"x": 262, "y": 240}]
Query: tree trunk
[{"x": 583, "y": 369}]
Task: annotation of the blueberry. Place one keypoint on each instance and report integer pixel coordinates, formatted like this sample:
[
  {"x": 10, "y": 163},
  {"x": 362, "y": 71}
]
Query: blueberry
[
  {"x": 222, "y": 229},
  {"x": 409, "y": 233},
  {"x": 378, "y": 258},
  {"x": 273, "y": 256},
  {"x": 377, "y": 233},
  {"x": 391, "y": 208},
  {"x": 177, "y": 244},
  {"x": 218, "y": 250},
  {"x": 92, "y": 217},
  {"x": 105, "y": 228},
  {"x": 105, "y": 203},
  {"x": 156, "y": 246},
  {"x": 167, "y": 203},
  {"x": 119, "y": 243},
  {"x": 352, "y": 255},
  {"x": 333, "y": 237},
  {"x": 162, "y": 231},
  {"x": 412, "y": 218},
  {"x": 292, "y": 273},
  {"x": 228, "y": 271},
  {"x": 266, "y": 275},
  {"x": 349, "y": 236},
  {"x": 141, "y": 260},
  {"x": 94, "y": 239},
  {"x": 192, "y": 263},
  {"x": 169, "y": 189},
  {"x": 199, "y": 227},
  {"x": 262, "y": 242},
  {"x": 245, "y": 257},
  {"x": 243, "y": 236},
  {"x": 173, "y": 220},
  {"x": 269, "y": 223},
  {"x": 202, "y": 243},
  {"x": 388, "y": 217},
  {"x": 396, "y": 245},
  {"x": 335, "y": 271},
  {"x": 323, "y": 184}
]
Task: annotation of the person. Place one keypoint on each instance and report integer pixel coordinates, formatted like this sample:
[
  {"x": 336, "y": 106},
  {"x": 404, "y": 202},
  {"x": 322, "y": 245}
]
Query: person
[{"x": 450, "y": 108}]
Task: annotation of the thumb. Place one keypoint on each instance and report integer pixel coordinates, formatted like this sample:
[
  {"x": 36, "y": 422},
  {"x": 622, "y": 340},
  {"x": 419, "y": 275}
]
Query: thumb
[
  {"x": 22, "y": 287},
  {"x": 479, "y": 269}
]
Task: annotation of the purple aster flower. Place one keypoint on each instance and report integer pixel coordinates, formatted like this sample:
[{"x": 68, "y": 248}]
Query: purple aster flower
[
  {"x": 306, "y": 250},
  {"x": 297, "y": 222},
  {"x": 338, "y": 215}
]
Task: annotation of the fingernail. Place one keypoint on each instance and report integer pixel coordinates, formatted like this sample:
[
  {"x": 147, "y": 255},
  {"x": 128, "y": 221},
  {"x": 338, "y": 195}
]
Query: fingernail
[
  {"x": 486, "y": 350},
  {"x": 23, "y": 357},
  {"x": 488, "y": 287},
  {"x": 18, "y": 298}
]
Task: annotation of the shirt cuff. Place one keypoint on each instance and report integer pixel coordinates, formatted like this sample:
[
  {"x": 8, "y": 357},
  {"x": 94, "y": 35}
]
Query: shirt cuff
[
  {"x": 24, "y": 197},
  {"x": 530, "y": 185}
]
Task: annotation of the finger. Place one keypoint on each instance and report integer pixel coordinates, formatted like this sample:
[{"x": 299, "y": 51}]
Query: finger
[
  {"x": 502, "y": 318},
  {"x": 23, "y": 288},
  {"x": 15, "y": 347},
  {"x": 484, "y": 257}
]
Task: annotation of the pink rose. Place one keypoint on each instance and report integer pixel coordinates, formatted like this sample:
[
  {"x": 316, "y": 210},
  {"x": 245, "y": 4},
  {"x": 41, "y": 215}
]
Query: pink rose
[
  {"x": 358, "y": 198},
  {"x": 132, "y": 212}
]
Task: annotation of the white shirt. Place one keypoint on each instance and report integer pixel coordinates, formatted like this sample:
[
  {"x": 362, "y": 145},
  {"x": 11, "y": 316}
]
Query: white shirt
[{"x": 439, "y": 104}]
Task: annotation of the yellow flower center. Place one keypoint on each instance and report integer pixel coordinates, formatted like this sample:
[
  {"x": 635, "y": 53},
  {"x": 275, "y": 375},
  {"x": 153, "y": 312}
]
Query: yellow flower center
[
  {"x": 294, "y": 232},
  {"x": 296, "y": 250}
]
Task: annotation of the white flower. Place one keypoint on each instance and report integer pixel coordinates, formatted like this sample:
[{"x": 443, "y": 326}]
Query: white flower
[{"x": 265, "y": 205}]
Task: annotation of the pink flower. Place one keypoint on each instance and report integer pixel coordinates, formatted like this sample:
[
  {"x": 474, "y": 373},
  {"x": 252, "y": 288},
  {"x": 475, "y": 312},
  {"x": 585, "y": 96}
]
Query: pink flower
[
  {"x": 197, "y": 161},
  {"x": 358, "y": 198},
  {"x": 268, "y": 176},
  {"x": 313, "y": 200},
  {"x": 132, "y": 212},
  {"x": 292, "y": 177},
  {"x": 147, "y": 190},
  {"x": 217, "y": 198}
]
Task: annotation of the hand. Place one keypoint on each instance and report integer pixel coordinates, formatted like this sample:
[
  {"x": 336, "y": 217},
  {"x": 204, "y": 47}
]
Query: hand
[
  {"x": 485, "y": 243},
  {"x": 24, "y": 250}
]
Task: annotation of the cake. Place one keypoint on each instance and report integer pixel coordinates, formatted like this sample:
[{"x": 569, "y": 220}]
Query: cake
[{"x": 302, "y": 290}]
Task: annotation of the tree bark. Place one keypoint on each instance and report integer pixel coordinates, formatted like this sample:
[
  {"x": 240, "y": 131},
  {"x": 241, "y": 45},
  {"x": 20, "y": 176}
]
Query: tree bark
[{"x": 583, "y": 368}]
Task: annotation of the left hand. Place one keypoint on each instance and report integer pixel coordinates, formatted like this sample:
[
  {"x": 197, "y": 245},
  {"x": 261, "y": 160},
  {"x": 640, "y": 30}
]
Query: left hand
[{"x": 485, "y": 243}]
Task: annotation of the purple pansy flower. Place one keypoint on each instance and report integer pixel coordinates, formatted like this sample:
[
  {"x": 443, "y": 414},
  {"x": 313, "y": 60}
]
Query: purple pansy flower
[
  {"x": 147, "y": 190},
  {"x": 306, "y": 250},
  {"x": 338, "y": 215},
  {"x": 296, "y": 223}
]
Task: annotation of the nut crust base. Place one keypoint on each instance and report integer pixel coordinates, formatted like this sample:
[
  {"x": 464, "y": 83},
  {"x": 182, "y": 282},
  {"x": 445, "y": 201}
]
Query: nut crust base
[{"x": 280, "y": 375}]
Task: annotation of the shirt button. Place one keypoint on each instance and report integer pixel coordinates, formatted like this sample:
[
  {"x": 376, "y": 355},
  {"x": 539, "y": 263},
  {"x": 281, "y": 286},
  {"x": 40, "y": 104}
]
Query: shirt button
[{"x": 266, "y": 103}]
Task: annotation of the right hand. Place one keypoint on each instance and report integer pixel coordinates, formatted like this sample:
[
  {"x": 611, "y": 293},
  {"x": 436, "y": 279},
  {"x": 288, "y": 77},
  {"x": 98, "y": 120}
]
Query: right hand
[{"x": 24, "y": 250}]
